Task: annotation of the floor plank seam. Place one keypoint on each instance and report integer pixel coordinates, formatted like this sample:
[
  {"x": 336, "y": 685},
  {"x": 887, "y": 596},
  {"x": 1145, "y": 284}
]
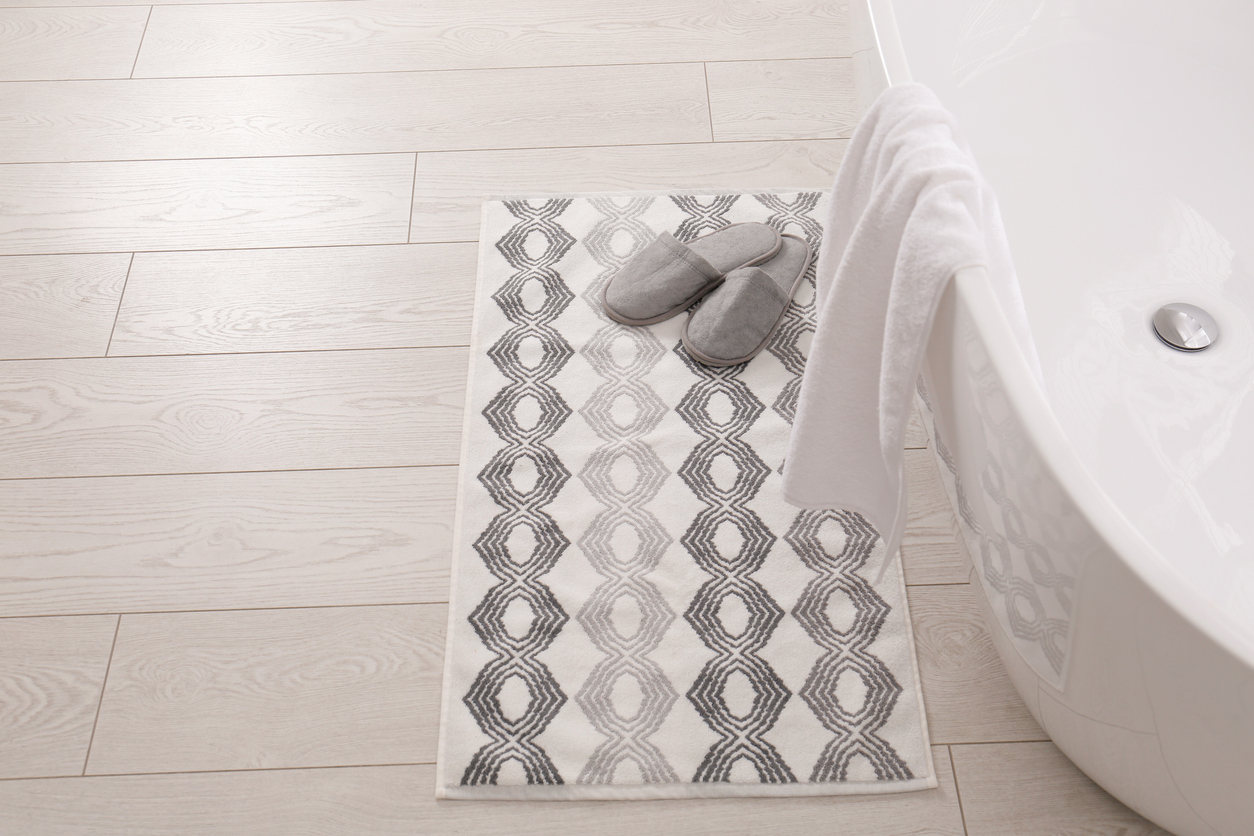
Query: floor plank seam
[
  {"x": 402, "y": 152},
  {"x": 226, "y": 472},
  {"x": 413, "y": 194},
  {"x": 953, "y": 765},
  {"x": 709, "y": 106},
  {"x": 113, "y": 3},
  {"x": 494, "y": 69},
  {"x": 139, "y": 49},
  {"x": 118, "y": 312},
  {"x": 229, "y": 353},
  {"x": 443, "y": 603},
  {"x": 132, "y": 77},
  {"x": 275, "y": 353},
  {"x": 117, "y": 628},
  {"x": 485, "y": 150},
  {"x": 230, "y": 249},
  {"x": 287, "y": 351},
  {"x": 221, "y": 771}
]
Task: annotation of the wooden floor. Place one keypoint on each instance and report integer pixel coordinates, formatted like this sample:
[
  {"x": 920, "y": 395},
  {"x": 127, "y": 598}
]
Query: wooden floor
[{"x": 237, "y": 250}]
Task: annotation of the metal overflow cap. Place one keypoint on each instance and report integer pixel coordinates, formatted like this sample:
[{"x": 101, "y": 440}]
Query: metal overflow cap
[{"x": 1186, "y": 327}]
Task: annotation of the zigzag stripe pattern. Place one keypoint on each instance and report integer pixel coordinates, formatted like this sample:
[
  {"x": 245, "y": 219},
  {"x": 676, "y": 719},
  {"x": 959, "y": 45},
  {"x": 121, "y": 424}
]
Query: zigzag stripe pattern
[
  {"x": 845, "y": 652},
  {"x": 513, "y": 738},
  {"x": 740, "y": 737},
  {"x": 624, "y": 390},
  {"x": 799, "y": 318},
  {"x": 702, "y": 217}
]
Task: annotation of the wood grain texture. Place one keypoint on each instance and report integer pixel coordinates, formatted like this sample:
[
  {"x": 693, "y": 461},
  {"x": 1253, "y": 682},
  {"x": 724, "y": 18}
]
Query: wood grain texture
[
  {"x": 226, "y": 541},
  {"x": 151, "y": 415},
  {"x": 1031, "y": 789},
  {"x": 450, "y": 187},
  {"x": 66, "y": 4},
  {"x": 399, "y": 801},
  {"x": 297, "y": 299},
  {"x": 764, "y": 100},
  {"x": 394, "y": 35},
  {"x": 271, "y": 689},
  {"x": 70, "y": 43},
  {"x": 51, "y": 673},
  {"x": 191, "y": 204},
  {"x": 930, "y": 547},
  {"x": 153, "y": 119},
  {"x": 966, "y": 690},
  {"x": 59, "y": 305}
]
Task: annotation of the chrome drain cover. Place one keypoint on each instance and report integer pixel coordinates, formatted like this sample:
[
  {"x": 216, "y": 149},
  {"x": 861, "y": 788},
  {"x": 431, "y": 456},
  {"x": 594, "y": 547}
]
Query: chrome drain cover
[{"x": 1186, "y": 327}]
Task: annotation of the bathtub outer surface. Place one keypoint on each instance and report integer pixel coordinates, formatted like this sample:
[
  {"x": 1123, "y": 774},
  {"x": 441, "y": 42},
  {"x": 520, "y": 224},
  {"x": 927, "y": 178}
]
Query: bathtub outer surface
[
  {"x": 1146, "y": 702},
  {"x": 1125, "y": 622}
]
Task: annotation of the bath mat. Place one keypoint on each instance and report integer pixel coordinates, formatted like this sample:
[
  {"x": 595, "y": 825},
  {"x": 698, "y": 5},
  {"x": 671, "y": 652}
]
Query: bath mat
[{"x": 636, "y": 613}]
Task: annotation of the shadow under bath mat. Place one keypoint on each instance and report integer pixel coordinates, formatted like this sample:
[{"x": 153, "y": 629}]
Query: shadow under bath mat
[{"x": 636, "y": 613}]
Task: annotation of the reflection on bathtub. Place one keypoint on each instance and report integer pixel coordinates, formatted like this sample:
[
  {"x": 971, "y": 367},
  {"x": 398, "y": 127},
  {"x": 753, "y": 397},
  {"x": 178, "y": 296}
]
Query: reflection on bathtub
[
  {"x": 999, "y": 30},
  {"x": 1167, "y": 432},
  {"x": 1025, "y": 540}
]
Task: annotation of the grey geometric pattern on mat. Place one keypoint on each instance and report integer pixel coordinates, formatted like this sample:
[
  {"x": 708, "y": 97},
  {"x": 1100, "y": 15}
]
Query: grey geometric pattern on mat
[
  {"x": 725, "y": 505},
  {"x": 519, "y": 574},
  {"x": 740, "y": 737},
  {"x": 854, "y": 731},
  {"x": 702, "y": 217},
  {"x": 626, "y": 656},
  {"x": 799, "y": 319},
  {"x": 846, "y": 652}
]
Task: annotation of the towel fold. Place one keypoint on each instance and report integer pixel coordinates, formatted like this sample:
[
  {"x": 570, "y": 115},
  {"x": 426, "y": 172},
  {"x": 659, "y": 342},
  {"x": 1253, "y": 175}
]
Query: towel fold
[{"x": 908, "y": 209}]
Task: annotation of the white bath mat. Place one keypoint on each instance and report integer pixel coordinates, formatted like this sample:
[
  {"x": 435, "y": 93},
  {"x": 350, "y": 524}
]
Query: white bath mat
[{"x": 636, "y": 612}]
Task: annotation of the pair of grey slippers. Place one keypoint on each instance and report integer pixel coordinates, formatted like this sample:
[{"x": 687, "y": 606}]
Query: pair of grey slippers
[{"x": 746, "y": 274}]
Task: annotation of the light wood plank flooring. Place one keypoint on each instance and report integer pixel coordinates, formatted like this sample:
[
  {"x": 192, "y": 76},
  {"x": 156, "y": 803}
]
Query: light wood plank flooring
[
  {"x": 237, "y": 246},
  {"x": 70, "y": 43}
]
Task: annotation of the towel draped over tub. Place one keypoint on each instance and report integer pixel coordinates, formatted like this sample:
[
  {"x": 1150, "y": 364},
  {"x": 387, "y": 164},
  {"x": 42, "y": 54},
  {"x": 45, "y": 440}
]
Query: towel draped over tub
[{"x": 908, "y": 209}]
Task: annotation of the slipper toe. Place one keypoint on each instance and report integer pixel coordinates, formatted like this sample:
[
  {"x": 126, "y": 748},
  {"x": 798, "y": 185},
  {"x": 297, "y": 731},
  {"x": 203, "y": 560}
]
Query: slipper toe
[
  {"x": 736, "y": 321},
  {"x": 658, "y": 282}
]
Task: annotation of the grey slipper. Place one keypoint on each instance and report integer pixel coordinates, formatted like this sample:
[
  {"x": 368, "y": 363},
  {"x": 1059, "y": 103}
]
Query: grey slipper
[
  {"x": 736, "y": 321},
  {"x": 666, "y": 277}
]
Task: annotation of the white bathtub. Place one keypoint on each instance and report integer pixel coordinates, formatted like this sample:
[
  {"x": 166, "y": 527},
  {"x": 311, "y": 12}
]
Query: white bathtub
[{"x": 1110, "y": 518}]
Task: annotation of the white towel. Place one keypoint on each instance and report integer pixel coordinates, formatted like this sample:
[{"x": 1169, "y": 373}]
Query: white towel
[{"x": 908, "y": 209}]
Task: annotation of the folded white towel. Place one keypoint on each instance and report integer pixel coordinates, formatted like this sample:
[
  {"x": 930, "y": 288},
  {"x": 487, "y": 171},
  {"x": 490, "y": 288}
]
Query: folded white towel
[{"x": 908, "y": 209}]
